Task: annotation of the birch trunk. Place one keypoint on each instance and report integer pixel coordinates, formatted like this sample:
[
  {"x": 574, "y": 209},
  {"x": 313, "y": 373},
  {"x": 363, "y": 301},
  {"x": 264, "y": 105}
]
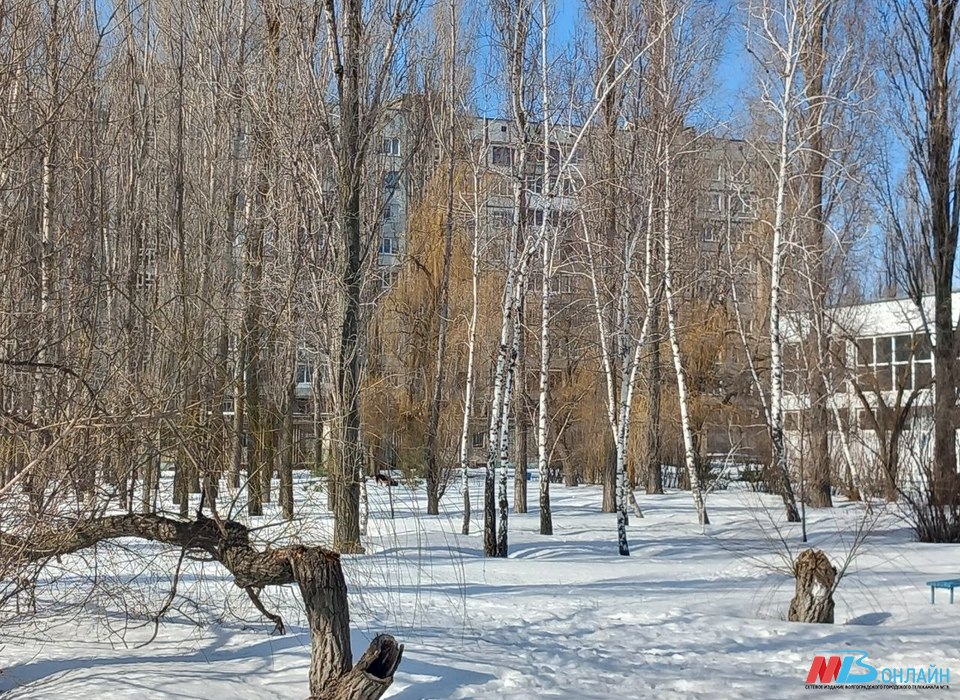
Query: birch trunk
[
  {"x": 520, "y": 420},
  {"x": 543, "y": 466},
  {"x": 496, "y": 404},
  {"x": 778, "y": 448},
  {"x": 546, "y": 261},
  {"x": 471, "y": 353},
  {"x": 690, "y": 456}
]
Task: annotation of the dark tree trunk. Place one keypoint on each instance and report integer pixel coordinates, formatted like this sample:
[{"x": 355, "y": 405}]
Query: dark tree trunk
[
  {"x": 816, "y": 579},
  {"x": 239, "y": 415},
  {"x": 317, "y": 572},
  {"x": 489, "y": 514},
  {"x": 546, "y": 513},
  {"x": 818, "y": 475},
  {"x": 814, "y": 60},
  {"x": 654, "y": 470},
  {"x": 286, "y": 464},
  {"x": 269, "y": 454},
  {"x": 433, "y": 468},
  {"x": 346, "y": 489},
  {"x": 609, "y": 476},
  {"x": 943, "y": 222}
]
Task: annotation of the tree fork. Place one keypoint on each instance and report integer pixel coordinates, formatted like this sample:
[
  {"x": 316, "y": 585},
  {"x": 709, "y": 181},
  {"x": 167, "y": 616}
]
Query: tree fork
[{"x": 316, "y": 570}]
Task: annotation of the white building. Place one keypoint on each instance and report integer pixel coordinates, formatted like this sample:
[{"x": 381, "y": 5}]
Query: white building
[{"x": 880, "y": 377}]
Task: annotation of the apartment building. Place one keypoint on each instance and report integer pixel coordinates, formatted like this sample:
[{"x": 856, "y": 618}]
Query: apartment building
[{"x": 718, "y": 205}]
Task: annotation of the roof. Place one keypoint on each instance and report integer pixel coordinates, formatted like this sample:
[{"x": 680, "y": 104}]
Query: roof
[{"x": 888, "y": 316}]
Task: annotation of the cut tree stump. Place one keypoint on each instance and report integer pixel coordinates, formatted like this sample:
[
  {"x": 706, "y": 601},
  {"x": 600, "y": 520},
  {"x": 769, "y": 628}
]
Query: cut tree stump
[{"x": 816, "y": 578}]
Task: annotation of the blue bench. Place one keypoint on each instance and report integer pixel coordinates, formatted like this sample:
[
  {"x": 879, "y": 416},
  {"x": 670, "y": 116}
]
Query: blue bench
[{"x": 949, "y": 583}]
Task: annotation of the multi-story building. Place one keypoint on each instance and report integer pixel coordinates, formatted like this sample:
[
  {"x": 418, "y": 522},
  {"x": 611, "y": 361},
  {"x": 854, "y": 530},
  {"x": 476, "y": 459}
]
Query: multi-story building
[
  {"x": 881, "y": 383},
  {"x": 719, "y": 209}
]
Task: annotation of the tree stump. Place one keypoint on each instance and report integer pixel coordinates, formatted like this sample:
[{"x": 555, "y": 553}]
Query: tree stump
[{"x": 816, "y": 579}]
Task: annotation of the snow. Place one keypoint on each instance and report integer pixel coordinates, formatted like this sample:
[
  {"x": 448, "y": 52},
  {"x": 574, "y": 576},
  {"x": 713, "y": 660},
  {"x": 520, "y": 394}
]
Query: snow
[{"x": 692, "y": 613}]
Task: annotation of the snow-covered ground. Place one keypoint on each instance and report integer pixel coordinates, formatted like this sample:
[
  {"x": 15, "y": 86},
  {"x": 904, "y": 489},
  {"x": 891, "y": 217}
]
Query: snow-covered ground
[{"x": 691, "y": 614}]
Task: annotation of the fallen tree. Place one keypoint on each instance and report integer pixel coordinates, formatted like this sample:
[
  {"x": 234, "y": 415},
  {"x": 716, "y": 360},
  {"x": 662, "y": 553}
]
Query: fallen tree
[{"x": 316, "y": 570}]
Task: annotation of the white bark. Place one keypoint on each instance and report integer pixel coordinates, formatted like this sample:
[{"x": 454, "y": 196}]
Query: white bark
[
  {"x": 780, "y": 94},
  {"x": 791, "y": 57},
  {"x": 619, "y": 409},
  {"x": 690, "y": 455},
  {"x": 471, "y": 352},
  {"x": 546, "y": 249}
]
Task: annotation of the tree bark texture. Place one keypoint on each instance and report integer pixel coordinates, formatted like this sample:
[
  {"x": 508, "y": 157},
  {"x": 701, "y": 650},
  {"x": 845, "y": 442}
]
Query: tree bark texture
[
  {"x": 317, "y": 572},
  {"x": 816, "y": 579}
]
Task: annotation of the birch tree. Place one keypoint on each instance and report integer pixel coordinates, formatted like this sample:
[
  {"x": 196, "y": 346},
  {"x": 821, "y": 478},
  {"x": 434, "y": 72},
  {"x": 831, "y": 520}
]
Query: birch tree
[
  {"x": 512, "y": 21},
  {"x": 677, "y": 58},
  {"x": 780, "y": 33}
]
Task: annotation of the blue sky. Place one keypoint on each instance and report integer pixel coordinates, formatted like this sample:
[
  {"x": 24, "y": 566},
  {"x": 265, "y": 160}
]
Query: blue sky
[{"x": 731, "y": 77}]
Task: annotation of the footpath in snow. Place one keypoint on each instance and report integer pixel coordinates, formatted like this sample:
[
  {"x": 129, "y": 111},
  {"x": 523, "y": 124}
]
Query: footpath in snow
[{"x": 692, "y": 613}]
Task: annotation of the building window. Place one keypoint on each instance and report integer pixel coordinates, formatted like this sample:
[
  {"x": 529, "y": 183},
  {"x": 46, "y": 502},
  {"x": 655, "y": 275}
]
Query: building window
[
  {"x": 886, "y": 363},
  {"x": 502, "y": 218},
  {"x": 742, "y": 203},
  {"x": 391, "y": 180},
  {"x": 710, "y": 233},
  {"x": 391, "y": 212},
  {"x": 478, "y": 439},
  {"x": 535, "y": 217},
  {"x": 711, "y": 203},
  {"x": 388, "y": 277},
  {"x": 147, "y": 270},
  {"x": 922, "y": 361},
  {"x": 561, "y": 283},
  {"x": 388, "y": 246},
  {"x": 390, "y": 146},
  {"x": 145, "y": 280},
  {"x": 534, "y": 183},
  {"x": 502, "y": 155},
  {"x": 304, "y": 373}
]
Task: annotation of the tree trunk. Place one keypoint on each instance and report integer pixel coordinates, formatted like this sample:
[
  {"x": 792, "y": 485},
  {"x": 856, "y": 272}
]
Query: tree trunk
[
  {"x": 814, "y": 65},
  {"x": 654, "y": 470},
  {"x": 286, "y": 465},
  {"x": 691, "y": 456},
  {"x": 433, "y": 468},
  {"x": 523, "y": 426},
  {"x": 346, "y": 491},
  {"x": 239, "y": 428},
  {"x": 269, "y": 454},
  {"x": 317, "y": 572},
  {"x": 489, "y": 513},
  {"x": 816, "y": 579},
  {"x": 780, "y": 471},
  {"x": 609, "y": 472}
]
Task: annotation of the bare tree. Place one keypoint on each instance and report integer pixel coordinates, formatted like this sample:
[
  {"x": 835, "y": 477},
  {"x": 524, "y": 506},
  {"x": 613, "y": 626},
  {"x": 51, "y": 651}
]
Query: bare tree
[
  {"x": 922, "y": 77},
  {"x": 361, "y": 76}
]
